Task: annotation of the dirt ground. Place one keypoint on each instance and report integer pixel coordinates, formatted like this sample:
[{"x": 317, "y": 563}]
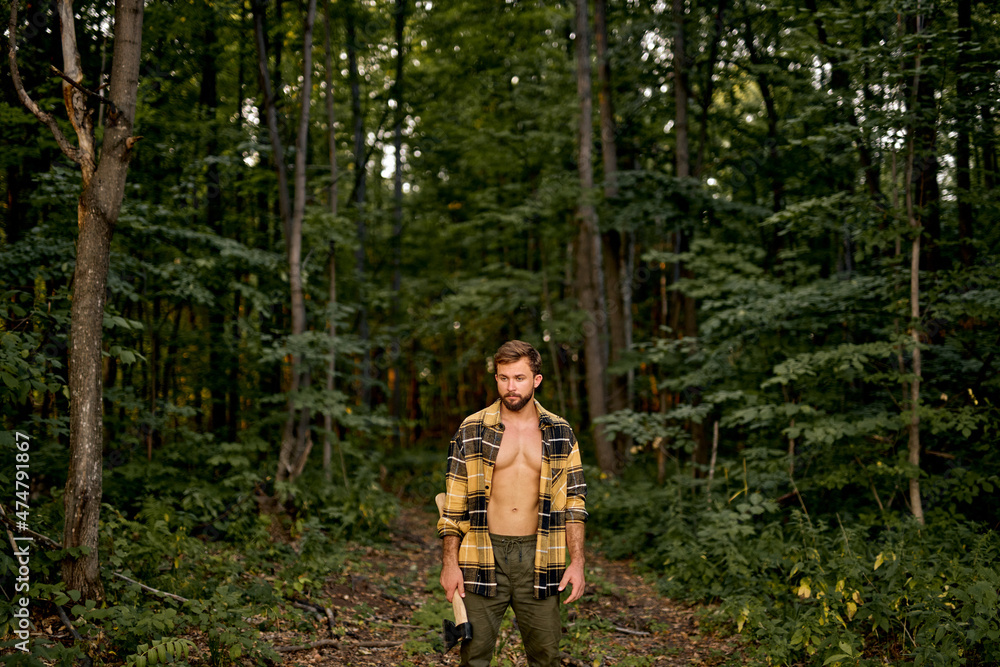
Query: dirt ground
[{"x": 386, "y": 608}]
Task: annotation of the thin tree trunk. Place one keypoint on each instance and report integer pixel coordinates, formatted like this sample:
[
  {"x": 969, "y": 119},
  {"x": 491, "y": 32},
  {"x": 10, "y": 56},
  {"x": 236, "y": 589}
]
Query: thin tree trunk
[
  {"x": 360, "y": 181},
  {"x": 329, "y": 435},
  {"x": 588, "y": 250},
  {"x": 708, "y": 88},
  {"x": 277, "y": 149},
  {"x": 395, "y": 395},
  {"x": 97, "y": 213},
  {"x": 683, "y": 170},
  {"x": 916, "y": 506},
  {"x": 617, "y": 283},
  {"x": 963, "y": 175},
  {"x": 682, "y": 157},
  {"x": 297, "y": 442}
]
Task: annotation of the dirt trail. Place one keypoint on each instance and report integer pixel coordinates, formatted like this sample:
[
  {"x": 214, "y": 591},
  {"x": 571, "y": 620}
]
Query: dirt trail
[{"x": 387, "y": 610}]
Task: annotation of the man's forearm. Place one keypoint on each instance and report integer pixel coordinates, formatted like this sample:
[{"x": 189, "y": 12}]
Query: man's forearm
[
  {"x": 449, "y": 550},
  {"x": 575, "y": 532}
]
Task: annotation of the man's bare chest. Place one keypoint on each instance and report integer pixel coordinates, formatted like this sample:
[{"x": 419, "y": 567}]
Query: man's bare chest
[{"x": 520, "y": 448}]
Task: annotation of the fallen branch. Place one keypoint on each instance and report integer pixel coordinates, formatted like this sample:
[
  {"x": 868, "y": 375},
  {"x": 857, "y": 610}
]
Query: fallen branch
[
  {"x": 150, "y": 588},
  {"x": 332, "y": 643},
  {"x": 629, "y": 631},
  {"x": 330, "y": 619},
  {"x": 397, "y": 600},
  {"x": 86, "y": 662}
]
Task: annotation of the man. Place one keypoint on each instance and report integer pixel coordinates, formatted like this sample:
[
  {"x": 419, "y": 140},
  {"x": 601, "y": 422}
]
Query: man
[{"x": 515, "y": 506}]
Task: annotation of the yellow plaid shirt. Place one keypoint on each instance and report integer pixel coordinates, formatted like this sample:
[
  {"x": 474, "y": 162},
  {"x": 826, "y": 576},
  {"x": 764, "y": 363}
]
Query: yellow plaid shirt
[{"x": 562, "y": 492}]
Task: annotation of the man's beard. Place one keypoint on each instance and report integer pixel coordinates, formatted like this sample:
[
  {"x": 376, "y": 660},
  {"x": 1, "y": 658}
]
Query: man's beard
[{"x": 518, "y": 403}]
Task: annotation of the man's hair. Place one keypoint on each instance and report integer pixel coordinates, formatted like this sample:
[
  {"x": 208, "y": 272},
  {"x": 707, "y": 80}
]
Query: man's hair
[{"x": 513, "y": 350}]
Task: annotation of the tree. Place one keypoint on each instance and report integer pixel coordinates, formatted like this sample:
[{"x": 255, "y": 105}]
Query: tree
[
  {"x": 296, "y": 441},
  {"x": 588, "y": 249},
  {"x": 100, "y": 202}
]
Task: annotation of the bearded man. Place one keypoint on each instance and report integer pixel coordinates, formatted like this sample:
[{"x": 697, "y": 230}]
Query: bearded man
[{"x": 515, "y": 506}]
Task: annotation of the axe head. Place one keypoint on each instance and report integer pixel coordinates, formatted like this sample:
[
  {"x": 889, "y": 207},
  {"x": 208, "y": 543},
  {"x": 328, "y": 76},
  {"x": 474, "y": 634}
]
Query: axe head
[{"x": 454, "y": 634}]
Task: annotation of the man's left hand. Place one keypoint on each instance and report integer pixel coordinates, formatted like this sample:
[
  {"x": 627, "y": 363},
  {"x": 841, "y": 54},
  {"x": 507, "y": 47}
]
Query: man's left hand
[{"x": 573, "y": 577}]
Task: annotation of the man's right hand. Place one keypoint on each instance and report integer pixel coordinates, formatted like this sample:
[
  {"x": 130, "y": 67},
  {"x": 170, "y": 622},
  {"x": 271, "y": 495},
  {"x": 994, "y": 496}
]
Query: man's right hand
[{"x": 452, "y": 580}]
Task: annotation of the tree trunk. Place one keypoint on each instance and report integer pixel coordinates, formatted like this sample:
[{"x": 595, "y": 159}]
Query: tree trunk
[
  {"x": 964, "y": 115},
  {"x": 709, "y": 86},
  {"x": 618, "y": 287},
  {"x": 97, "y": 215},
  {"x": 395, "y": 406},
  {"x": 684, "y": 305},
  {"x": 329, "y": 435},
  {"x": 588, "y": 250},
  {"x": 360, "y": 181},
  {"x": 917, "y": 134},
  {"x": 297, "y": 442}
]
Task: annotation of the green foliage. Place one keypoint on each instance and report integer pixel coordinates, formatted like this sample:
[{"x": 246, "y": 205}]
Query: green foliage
[{"x": 803, "y": 588}]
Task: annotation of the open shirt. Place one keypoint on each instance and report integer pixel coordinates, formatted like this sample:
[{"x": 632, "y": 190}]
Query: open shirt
[{"x": 562, "y": 492}]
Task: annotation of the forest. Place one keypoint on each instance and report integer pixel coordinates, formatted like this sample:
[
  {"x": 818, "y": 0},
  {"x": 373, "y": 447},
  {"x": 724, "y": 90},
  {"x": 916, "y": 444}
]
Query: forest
[{"x": 256, "y": 257}]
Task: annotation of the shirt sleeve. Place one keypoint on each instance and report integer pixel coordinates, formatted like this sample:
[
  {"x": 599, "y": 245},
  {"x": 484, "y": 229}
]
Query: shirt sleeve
[
  {"x": 576, "y": 487},
  {"x": 455, "y": 516}
]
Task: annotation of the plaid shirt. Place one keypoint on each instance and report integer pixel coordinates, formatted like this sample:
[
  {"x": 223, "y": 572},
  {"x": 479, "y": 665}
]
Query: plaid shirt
[{"x": 561, "y": 495}]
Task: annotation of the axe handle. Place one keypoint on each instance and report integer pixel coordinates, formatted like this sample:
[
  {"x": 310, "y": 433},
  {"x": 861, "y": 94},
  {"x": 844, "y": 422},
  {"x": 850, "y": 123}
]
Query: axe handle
[{"x": 461, "y": 616}]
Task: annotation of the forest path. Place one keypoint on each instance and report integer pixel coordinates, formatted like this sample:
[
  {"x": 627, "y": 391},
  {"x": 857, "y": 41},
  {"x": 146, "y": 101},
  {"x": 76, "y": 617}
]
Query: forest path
[{"x": 388, "y": 606}]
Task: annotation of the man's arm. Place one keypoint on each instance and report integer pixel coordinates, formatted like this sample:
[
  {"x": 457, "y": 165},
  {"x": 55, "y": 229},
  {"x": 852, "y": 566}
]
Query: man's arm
[
  {"x": 451, "y": 574},
  {"x": 574, "y": 575}
]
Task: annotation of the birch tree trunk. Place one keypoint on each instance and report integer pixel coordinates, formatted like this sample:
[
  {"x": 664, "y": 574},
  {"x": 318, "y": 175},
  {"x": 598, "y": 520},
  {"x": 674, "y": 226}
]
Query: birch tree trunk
[{"x": 97, "y": 214}]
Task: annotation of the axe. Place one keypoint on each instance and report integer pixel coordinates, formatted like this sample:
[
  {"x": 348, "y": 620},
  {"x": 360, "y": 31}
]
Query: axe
[{"x": 461, "y": 629}]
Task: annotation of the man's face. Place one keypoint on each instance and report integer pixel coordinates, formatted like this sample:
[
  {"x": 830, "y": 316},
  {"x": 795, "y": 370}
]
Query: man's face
[{"x": 516, "y": 384}]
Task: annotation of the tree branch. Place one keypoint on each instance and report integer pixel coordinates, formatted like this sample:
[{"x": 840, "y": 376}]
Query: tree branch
[
  {"x": 67, "y": 148},
  {"x": 83, "y": 90}
]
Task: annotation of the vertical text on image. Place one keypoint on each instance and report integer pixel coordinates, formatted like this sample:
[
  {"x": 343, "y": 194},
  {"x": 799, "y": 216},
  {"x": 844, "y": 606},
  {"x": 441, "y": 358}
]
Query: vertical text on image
[{"x": 21, "y": 544}]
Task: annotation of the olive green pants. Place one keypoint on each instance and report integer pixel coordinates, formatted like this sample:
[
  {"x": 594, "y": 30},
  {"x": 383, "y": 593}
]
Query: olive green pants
[{"x": 538, "y": 620}]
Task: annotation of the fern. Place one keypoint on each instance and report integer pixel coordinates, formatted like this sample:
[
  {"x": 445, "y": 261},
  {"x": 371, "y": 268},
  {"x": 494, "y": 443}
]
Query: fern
[{"x": 160, "y": 652}]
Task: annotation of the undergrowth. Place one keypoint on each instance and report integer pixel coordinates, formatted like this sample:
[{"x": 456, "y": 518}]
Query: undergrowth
[
  {"x": 213, "y": 550},
  {"x": 808, "y": 588}
]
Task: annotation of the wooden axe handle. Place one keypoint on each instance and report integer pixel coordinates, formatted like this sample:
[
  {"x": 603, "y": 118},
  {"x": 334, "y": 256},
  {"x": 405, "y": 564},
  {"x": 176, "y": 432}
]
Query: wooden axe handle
[{"x": 461, "y": 616}]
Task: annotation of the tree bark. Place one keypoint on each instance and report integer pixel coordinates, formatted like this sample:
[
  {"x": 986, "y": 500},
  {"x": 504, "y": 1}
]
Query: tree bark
[
  {"x": 588, "y": 249},
  {"x": 97, "y": 214}
]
